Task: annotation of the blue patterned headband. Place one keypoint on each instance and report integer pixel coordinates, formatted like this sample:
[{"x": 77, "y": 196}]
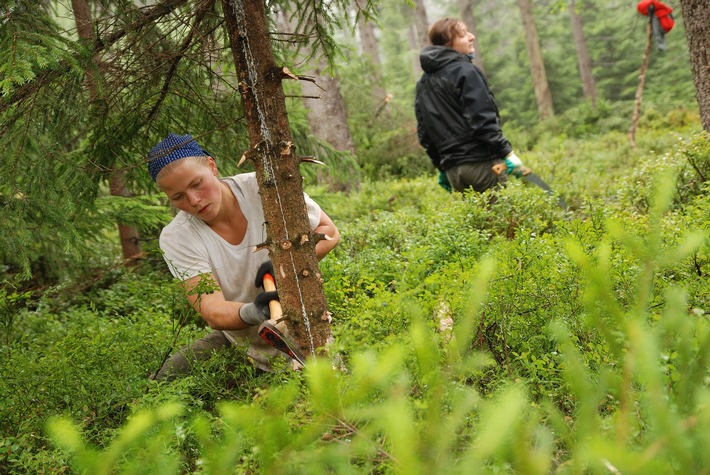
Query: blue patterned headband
[{"x": 173, "y": 147}]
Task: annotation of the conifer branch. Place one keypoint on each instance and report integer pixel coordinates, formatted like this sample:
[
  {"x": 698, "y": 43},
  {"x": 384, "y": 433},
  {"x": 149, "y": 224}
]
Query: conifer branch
[
  {"x": 50, "y": 75},
  {"x": 202, "y": 10}
]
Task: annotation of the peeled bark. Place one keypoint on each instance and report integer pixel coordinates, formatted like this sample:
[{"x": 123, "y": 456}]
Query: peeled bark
[
  {"x": 291, "y": 242},
  {"x": 696, "y": 16},
  {"x": 537, "y": 66}
]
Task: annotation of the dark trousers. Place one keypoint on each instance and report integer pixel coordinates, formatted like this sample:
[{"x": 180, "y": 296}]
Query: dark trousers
[
  {"x": 477, "y": 175},
  {"x": 201, "y": 349}
]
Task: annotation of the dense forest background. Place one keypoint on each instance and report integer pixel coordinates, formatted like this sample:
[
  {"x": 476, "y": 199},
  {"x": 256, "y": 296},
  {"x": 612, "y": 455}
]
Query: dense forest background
[
  {"x": 73, "y": 119},
  {"x": 513, "y": 337}
]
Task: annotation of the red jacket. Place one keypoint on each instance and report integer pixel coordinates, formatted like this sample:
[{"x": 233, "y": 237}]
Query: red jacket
[{"x": 662, "y": 11}]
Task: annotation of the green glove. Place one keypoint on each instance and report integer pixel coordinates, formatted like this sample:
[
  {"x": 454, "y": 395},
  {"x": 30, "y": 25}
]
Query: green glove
[
  {"x": 444, "y": 181},
  {"x": 514, "y": 166}
]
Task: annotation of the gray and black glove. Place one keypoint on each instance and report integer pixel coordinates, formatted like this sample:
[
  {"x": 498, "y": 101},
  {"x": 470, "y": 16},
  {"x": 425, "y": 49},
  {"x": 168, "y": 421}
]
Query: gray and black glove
[
  {"x": 265, "y": 268},
  {"x": 256, "y": 312}
]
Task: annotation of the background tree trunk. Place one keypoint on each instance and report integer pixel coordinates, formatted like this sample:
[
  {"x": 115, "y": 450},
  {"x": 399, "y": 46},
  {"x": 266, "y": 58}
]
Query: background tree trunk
[
  {"x": 584, "y": 61},
  {"x": 537, "y": 66},
  {"x": 639, "y": 90},
  {"x": 466, "y": 15},
  {"x": 418, "y": 33},
  {"x": 328, "y": 119},
  {"x": 291, "y": 242},
  {"x": 326, "y": 112},
  {"x": 421, "y": 23},
  {"x": 414, "y": 47},
  {"x": 696, "y": 16},
  {"x": 128, "y": 235},
  {"x": 368, "y": 39}
]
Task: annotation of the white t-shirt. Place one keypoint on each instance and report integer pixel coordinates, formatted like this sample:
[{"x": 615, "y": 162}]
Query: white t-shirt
[{"x": 191, "y": 248}]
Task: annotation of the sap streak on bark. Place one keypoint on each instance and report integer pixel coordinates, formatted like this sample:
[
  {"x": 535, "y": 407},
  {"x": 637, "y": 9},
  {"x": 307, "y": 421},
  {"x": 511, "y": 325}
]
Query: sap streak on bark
[{"x": 280, "y": 183}]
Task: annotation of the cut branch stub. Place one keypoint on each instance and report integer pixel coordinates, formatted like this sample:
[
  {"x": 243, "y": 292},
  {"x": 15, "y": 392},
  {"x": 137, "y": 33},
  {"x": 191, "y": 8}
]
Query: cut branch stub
[
  {"x": 287, "y": 74},
  {"x": 303, "y": 159},
  {"x": 253, "y": 153}
]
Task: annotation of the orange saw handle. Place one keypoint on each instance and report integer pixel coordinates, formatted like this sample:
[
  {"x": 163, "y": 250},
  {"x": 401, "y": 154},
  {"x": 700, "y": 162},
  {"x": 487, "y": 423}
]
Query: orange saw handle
[
  {"x": 274, "y": 305},
  {"x": 499, "y": 168}
]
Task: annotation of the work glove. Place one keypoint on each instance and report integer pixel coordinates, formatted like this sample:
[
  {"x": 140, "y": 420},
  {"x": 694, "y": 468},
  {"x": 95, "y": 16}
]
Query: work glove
[
  {"x": 256, "y": 312},
  {"x": 514, "y": 166},
  {"x": 444, "y": 181},
  {"x": 265, "y": 268}
]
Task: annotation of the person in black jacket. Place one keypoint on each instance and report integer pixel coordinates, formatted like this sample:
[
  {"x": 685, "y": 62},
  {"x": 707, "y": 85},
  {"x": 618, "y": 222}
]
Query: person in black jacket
[{"x": 457, "y": 117}]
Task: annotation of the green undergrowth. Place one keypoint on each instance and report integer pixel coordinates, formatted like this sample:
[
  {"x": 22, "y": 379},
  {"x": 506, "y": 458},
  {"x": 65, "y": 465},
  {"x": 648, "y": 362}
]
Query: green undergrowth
[{"x": 472, "y": 334}]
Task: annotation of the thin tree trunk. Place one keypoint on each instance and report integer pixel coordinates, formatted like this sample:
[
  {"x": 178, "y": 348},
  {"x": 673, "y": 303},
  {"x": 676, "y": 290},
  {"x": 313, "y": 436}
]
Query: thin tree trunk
[
  {"x": 696, "y": 16},
  {"x": 414, "y": 46},
  {"x": 639, "y": 89},
  {"x": 584, "y": 61},
  {"x": 328, "y": 118},
  {"x": 327, "y": 115},
  {"x": 537, "y": 66},
  {"x": 466, "y": 15},
  {"x": 370, "y": 50},
  {"x": 129, "y": 236},
  {"x": 291, "y": 242},
  {"x": 421, "y": 23},
  {"x": 368, "y": 39},
  {"x": 326, "y": 109},
  {"x": 418, "y": 32}
]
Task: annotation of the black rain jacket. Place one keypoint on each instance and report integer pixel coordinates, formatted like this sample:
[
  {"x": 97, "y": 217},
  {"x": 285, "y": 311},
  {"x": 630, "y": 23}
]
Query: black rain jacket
[{"x": 457, "y": 116}]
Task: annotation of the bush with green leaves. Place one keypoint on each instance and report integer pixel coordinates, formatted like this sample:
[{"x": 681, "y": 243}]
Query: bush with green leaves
[
  {"x": 412, "y": 407},
  {"x": 471, "y": 335}
]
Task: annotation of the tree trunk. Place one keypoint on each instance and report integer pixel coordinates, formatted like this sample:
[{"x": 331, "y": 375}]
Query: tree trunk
[
  {"x": 418, "y": 32},
  {"x": 326, "y": 109},
  {"x": 584, "y": 61},
  {"x": 696, "y": 16},
  {"x": 414, "y": 46},
  {"x": 466, "y": 15},
  {"x": 291, "y": 242},
  {"x": 129, "y": 236},
  {"x": 421, "y": 24},
  {"x": 537, "y": 66},
  {"x": 327, "y": 114},
  {"x": 328, "y": 119},
  {"x": 368, "y": 40},
  {"x": 639, "y": 90}
]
